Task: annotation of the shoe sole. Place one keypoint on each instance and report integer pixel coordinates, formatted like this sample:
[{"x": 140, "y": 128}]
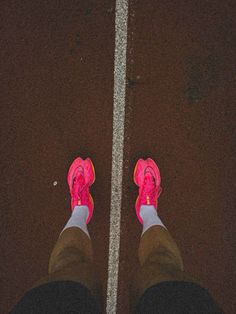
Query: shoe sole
[
  {"x": 138, "y": 164},
  {"x": 91, "y": 198}
]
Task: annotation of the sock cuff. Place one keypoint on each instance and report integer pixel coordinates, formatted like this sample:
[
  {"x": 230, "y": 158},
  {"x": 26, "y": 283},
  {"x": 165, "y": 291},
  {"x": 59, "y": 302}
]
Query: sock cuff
[
  {"x": 80, "y": 210},
  {"x": 147, "y": 210},
  {"x": 150, "y": 217}
]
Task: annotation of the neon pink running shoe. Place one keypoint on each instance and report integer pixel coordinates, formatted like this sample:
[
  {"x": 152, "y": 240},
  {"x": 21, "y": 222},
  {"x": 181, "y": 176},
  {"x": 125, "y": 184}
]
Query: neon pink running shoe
[
  {"x": 147, "y": 177},
  {"x": 80, "y": 177}
]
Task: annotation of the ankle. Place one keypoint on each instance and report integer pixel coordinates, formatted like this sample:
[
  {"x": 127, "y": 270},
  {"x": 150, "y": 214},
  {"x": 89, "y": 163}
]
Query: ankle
[{"x": 150, "y": 217}]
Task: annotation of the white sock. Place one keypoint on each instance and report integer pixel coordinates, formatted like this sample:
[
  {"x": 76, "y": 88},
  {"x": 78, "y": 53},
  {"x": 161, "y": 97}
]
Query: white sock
[
  {"x": 150, "y": 217},
  {"x": 78, "y": 219}
]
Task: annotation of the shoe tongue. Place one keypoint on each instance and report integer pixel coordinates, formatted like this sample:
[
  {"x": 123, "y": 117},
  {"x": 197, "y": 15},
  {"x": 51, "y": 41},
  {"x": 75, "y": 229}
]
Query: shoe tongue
[
  {"x": 149, "y": 181},
  {"x": 149, "y": 177},
  {"x": 78, "y": 184},
  {"x": 80, "y": 180}
]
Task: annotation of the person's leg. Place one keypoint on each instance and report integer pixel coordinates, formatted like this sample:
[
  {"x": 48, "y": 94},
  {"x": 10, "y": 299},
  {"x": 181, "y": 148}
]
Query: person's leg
[
  {"x": 72, "y": 259},
  {"x": 160, "y": 260},
  {"x": 72, "y": 256},
  {"x": 159, "y": 257}
]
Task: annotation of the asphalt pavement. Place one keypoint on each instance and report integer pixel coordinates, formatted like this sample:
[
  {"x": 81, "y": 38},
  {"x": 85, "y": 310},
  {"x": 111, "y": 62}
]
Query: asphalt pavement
[{"x": 57, "y": 84}]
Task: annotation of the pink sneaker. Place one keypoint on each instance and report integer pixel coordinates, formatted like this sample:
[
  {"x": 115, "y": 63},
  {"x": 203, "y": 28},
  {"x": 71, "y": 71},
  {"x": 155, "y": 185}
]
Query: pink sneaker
[
  {"x": 147, "y": 177},
  {"x": 80, "y": 177}
]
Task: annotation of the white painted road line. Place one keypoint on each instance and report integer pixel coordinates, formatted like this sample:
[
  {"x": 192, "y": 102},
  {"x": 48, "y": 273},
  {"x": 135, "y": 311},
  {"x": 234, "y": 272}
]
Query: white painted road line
[{"x": 121, "y": 21}]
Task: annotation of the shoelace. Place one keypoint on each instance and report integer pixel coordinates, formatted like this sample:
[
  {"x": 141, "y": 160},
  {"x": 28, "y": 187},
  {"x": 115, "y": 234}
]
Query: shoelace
[
  {"x": 149, "y": 187},
  {"x": 77, "y": 183},
  {"x": 81, "y": 195}
]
